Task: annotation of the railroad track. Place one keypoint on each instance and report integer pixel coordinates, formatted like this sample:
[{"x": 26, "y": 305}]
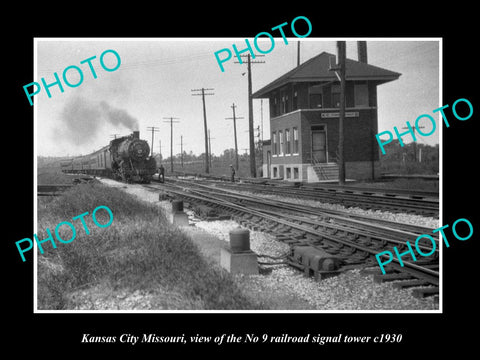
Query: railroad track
[
  {"x": 394, "y": 200},
  {"x": 353, "y": 239},
  {"x": 286, "y": 206}
]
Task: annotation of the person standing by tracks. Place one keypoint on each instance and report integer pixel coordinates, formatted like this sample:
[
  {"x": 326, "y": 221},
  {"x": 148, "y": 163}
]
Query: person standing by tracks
[
  {"x": 161, "y": 173},
  {"x": 232, "y": 173}
]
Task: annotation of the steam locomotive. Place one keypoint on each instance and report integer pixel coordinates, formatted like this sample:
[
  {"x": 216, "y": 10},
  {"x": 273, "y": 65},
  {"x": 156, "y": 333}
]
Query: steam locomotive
[{"x": 126, "y": 158}]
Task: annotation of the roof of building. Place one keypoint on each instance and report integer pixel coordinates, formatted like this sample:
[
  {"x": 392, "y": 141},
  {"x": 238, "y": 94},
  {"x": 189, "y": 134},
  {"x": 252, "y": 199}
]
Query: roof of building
[{"x": 318, "y": 69}]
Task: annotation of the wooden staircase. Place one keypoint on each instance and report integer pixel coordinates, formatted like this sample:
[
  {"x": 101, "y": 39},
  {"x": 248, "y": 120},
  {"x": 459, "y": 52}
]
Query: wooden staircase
[{"x": 326, "y": 171}]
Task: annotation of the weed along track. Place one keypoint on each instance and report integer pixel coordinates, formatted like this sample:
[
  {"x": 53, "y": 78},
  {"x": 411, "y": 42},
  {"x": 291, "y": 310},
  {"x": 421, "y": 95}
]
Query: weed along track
[
  {"x": 322, "y": 242},
  {"x": 138, "y": 262}
]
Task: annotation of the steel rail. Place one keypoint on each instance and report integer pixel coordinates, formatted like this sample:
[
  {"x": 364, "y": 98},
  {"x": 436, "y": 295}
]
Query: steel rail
[
  {"x": 410, "y": 193},
  {"x": 427, "y": 274},
  {"x": 305, "y": 208},
  {"x": 373, "y": 199},
  {"x": 372, "y": 231},
  {"x": 317, "y": 212},
  {"x": 325, "y": 186}
]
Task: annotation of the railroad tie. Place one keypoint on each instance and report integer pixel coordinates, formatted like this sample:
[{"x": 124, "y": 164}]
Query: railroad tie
[
  {"x": 409, "y": 283},
  {"x": 391, "y": 277},
  {"x": 425, "y": 291}
]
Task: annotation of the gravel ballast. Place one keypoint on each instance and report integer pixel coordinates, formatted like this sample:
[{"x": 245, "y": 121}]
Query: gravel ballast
[
  {"x": 411, "y": 219},
  {"x": 281, "y": 287}
]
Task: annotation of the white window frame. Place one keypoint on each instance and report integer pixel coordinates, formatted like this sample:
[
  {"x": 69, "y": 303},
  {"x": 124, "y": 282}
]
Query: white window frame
[
  {"x": 295, "y": 131},
  {"x": 288, "y": 141},
  {"x": 280, "y": 143}
]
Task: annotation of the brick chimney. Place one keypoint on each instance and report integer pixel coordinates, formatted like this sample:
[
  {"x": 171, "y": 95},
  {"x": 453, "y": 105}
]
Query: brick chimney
[{"x": 362, "y": 51}]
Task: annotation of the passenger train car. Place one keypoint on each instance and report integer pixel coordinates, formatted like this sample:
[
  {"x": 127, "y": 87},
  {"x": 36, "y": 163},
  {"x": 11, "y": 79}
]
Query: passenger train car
[{"x": 126, "y": 158}]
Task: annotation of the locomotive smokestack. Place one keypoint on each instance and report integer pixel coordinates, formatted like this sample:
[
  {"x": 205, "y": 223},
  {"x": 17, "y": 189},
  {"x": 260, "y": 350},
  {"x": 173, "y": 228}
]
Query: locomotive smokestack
[
  {"x": 136, "y": 134},
  {"x": 362, "y": 51}
]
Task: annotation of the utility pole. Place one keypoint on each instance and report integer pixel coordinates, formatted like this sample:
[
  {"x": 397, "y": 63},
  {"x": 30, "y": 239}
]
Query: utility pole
[
  {"x": 235, "y": 133},
  {"x": 160, "y": 148},
  {"x": 253, "y": 167},
  {"x": 171, "y": 139},
  {"x": 298, "y": 53},
  {"x": 260, "y": 147},
  {"x": 181, "y": 149},
  {"x": 261, "y": 118},
  {"x": 207, "y": 170},
  {"x": 210, "y": 148},
  {"x": 340, "y": 72},
  {"x": 153, "y": 129},
  {"x": 414, "y": 143}
]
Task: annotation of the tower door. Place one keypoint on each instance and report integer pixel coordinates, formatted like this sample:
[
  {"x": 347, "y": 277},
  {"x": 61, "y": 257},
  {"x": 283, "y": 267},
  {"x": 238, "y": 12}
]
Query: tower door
[{"x": 319, "y": 146}]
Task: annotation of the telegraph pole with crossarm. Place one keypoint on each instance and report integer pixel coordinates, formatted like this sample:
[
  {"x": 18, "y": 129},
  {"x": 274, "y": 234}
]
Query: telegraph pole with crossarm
[
  {"x": 253, "y": 167},
  {"x": 153, "y": 129},
  {"x": 171, "y": 139},
  {"x": 181, "y": 150},
  {"x": 234, "y": 118},
  {"x": 210, "y": 148},
  {"x": 207, "y": 170}
]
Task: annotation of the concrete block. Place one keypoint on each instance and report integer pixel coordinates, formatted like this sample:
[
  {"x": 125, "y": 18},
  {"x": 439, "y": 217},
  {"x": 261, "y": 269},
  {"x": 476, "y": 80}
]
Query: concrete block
[
  {"x": 239, "y": 240},
  {"x": 177, "y": 205},
  {"x": 179, "y": 218},
  {"x": 239, "y": 262}
]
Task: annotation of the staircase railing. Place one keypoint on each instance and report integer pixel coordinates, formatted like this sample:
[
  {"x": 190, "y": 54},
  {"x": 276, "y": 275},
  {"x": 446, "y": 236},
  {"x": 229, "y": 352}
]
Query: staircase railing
[{"x": 317, "y": 165}]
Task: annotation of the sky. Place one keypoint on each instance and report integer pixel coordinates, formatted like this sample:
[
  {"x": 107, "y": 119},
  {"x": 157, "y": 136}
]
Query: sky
[{"x": 156, "y": 76}]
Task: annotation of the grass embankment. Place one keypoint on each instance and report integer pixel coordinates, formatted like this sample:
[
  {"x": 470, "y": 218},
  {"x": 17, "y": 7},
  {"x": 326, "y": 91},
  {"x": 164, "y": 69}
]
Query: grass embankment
[
  {"x": 53, "y": 175},
  {"x": 139, "y": 251}
]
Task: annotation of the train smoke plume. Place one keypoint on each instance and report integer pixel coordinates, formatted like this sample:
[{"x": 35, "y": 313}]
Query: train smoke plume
[
  {"x": 118, "y": 117},
  {"x": 82, "y": 119}
]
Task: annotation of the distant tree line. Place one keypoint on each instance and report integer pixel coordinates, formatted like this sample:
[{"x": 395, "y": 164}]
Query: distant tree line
[{"x": 412, "y": 158}]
